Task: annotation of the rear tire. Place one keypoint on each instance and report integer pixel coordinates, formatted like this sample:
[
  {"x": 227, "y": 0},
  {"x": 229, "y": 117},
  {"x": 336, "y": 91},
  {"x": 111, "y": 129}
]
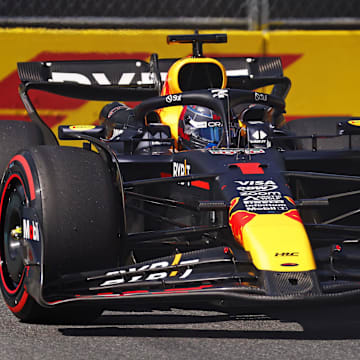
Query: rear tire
[
  {"x": 79, "y": 211},
  {"x": 320, "y": 126},
  {"x": 17, "y": 135}
]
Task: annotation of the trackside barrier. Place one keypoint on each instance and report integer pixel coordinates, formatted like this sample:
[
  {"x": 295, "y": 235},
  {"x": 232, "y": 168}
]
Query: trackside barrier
[{"x": 322, "y": 65}]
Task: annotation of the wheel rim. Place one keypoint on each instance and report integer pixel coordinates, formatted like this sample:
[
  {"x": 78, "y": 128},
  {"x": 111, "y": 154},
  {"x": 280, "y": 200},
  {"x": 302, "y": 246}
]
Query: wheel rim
[{"x": 12, "y": 252}]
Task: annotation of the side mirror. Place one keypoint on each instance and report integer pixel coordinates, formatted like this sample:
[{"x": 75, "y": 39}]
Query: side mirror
[
  {"x": 349, "y": 127},
  {"x": 70, "y": 132},
  {"x": 163, "y": 131}
]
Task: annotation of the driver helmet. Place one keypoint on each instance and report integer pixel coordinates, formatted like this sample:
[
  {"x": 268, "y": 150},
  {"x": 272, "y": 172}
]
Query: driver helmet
[
  {"x": 199, "y": 127},
  {"x": 116, "y": 117}
]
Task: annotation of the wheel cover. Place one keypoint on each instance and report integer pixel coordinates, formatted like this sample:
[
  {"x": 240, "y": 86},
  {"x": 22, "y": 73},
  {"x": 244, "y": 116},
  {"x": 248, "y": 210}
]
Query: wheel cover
[{"x": 12, "y": 266}]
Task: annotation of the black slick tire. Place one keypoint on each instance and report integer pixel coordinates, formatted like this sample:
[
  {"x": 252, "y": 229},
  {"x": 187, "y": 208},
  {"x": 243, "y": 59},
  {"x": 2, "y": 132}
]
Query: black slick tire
[
  {"x": 17, "y": 135},
  {"x": 79, "y": 212}
]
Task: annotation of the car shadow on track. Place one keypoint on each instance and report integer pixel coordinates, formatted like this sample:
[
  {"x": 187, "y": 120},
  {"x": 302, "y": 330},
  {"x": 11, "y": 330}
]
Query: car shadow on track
[{"x": 336, "y": 323}]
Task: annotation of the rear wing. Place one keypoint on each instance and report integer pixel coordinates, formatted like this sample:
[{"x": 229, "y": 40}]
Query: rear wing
[
  {"x": 133, "y": 80},
  {"x": 130, "y": 80}
]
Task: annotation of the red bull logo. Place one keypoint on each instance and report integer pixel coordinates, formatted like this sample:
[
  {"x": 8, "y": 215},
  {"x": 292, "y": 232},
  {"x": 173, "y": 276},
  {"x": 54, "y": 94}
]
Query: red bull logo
[
  {"x": 293, "y": 214},
  {"x": 238, "y": 219}
]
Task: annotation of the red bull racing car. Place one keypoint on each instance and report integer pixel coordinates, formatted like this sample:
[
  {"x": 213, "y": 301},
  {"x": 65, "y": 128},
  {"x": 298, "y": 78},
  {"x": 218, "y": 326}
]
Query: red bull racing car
[{"x": 199, "y": 196}]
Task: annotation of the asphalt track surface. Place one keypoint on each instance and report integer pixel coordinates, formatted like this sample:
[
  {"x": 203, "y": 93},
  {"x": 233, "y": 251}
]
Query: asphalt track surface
[{"x": 319, "y": 334}]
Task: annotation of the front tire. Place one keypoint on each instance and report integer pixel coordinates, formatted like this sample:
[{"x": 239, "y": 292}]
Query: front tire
[{"x": 79, "y": 214}]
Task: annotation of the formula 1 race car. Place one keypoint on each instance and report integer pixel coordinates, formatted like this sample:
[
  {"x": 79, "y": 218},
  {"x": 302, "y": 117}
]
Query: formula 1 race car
[{"x": 201, "y": 196}]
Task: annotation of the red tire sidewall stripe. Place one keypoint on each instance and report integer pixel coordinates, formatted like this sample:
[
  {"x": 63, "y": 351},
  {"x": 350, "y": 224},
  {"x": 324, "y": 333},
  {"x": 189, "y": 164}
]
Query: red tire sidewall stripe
[
  {"x": 1, "y": 262},
  {"x": 17, "y": 308},
  {"x": 30, "y": 180},
  {"x": 28, "y": 174},
  {"x": 5, "y": 188}
]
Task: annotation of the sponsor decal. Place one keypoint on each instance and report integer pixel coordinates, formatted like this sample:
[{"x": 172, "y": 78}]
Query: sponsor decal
[
  {"x": 254, "y": 151},
  {"x": 260, "y": 195},
  {"x": 214, "y": 124},
  {"x": 31, "y": 230},
  {"x": 126, "y": 78},
  {"x": 223, "y": 151},
  {"x": 269, "y": 202},
  {"x": 125, "y": 276},
  {"x": 181, "y": 169},
  {"x": 258, "y": 137},
  {"x": 236, "y": 151},
  {"x": 260, "y": 96},
  {"x": 255, "y": 185},
  {"x": 220, "y": 93},
  {"x": 258, "y": 133},
  {"x": 239, "y": 72},
  {"x": 295, "y": 253},
  {"x": 82, "y": 127},
  {"x": 173, "y": 98},
  {"x": 114, "y": 110},
  {"x": 205, "y": 124},
  {"x": 69, "y": 77},
  {"x": 354, "y": 122}
]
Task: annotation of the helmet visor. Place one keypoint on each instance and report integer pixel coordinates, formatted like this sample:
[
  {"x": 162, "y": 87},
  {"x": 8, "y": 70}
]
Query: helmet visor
[{"x": 205, "y": 124}]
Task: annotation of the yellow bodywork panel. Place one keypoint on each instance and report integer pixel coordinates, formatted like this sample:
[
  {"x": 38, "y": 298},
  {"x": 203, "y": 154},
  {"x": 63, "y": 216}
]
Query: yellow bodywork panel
[
  {"x": 276, "y": 242},
  {"x": 170, "y": 116},
  {"x": 173, "y": 86}
]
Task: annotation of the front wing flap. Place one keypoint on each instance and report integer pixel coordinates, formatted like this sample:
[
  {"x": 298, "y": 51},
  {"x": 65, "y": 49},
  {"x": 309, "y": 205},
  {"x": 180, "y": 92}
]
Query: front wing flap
[{"x": 211, "y": 276}]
